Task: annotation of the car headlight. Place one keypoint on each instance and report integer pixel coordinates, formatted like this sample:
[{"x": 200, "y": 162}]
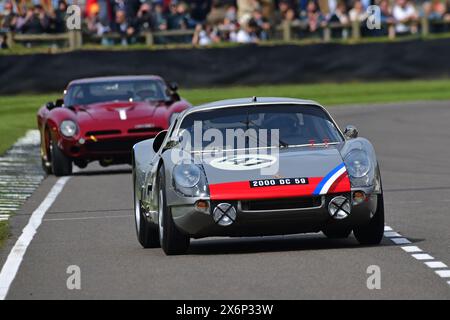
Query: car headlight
[
  {"x": 173, "y": 116},
  {"x": 357, "y": 163},
  {"x": 186, "y": 175},
  {"x": 68, "y": 128},
  {"x": 190, "y": 180}
]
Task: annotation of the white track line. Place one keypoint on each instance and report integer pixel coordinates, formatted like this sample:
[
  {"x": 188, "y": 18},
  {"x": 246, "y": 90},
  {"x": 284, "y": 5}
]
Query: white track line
[
  {"x": 422, "y": 256},
  {"x": 418, "y": 253},
  {"x": 443, "y": 273},
  {"x": 391, "y": 234},
  {"x": 400, "y": 240},
  {"x": 17, "y": 253},
  {"x": 411, "y": 249},
  {"x": 436, "y": 264}
]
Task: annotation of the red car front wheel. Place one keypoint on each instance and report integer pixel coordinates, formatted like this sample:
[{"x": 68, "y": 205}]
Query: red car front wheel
[{"x": 61, "y": 164}]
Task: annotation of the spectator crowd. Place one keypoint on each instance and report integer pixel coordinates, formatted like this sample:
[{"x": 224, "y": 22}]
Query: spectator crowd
[{"x": 212, "y": 21}]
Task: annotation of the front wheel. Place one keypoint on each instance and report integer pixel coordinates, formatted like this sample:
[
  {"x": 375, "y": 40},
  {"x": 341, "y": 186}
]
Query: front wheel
[
  {"x": 61, "y": 164},
  {"x": 172, "y": 240},
  {"x": 45, "y": 153},
  {"x": 372, "y": 233},
  {"x": 147, "y": 234}
]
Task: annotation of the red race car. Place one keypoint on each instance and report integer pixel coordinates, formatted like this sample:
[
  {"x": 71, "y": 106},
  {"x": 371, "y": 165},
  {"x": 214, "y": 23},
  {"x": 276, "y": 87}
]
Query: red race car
[{"x": 102, "y": 118}]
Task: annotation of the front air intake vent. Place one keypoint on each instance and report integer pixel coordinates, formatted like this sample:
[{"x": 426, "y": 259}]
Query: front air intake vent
[
  {"x": 145, "y": 130},
  {"x": 282, "y": 204},
  {"x": 102, "y": 133}
]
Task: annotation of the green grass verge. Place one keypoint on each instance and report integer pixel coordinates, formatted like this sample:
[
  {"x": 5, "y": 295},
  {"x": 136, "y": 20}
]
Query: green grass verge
[
  {"x": 18, "y": 113},
  {"x": 4, "y": 232},
  {"x": 330, "y": 94}
]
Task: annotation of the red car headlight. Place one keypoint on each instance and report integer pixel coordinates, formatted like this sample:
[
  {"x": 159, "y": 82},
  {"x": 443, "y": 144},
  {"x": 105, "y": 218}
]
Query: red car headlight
[{"x": 68, "y": 128}]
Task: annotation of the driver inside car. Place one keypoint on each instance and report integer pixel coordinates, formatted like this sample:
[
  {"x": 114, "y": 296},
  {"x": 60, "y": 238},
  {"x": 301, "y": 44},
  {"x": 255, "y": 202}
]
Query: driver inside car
[{"x": 291, "y": 129}]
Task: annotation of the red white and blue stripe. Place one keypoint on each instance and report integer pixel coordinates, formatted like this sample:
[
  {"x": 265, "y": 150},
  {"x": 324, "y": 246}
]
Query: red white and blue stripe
[{"x": 329, "y": 180}]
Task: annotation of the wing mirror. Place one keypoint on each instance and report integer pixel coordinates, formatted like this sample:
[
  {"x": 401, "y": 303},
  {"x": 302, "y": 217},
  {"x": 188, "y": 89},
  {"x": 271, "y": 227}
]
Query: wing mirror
[
  {"x": 50, "y": 105},
  {"x": 173, "y": 141},
  {"x": 59, "y": 103},
  {"x": 351, "y": 132},
  {"x": 173, "y": 86},
  {"x": 159, "y": 139}
]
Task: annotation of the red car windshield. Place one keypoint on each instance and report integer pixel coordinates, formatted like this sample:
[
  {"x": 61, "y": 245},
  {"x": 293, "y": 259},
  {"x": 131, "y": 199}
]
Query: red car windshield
[{"x": 111, "y": 91}]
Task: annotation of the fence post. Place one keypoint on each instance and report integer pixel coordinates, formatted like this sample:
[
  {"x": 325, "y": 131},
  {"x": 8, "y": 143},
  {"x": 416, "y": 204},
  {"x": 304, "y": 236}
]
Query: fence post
[
  {"x": 10, "y": 39},
  {"x": 79, "y": 39},
  {"x": 72, "y": 41},
  {"x": 391, "y": 31},
  {"x": 326, "y": 33},
  {"x": 149, "y": 40},
  {"x": 356, "y": 30},
  {"x": 287, "y": 30},
  {"x": 425, "y": 24},
  {"x": 75, "y": 39}
]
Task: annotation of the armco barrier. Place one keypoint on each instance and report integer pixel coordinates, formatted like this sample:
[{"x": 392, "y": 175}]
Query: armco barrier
[{"x": 242, "y": 65}]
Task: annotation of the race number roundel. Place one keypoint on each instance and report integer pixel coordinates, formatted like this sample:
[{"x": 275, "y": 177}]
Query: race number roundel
[{"x": 244, "y": 162}]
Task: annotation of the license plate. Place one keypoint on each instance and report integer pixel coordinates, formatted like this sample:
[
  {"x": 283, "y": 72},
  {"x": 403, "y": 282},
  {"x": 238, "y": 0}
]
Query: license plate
[{"x": 278, "y": 182}]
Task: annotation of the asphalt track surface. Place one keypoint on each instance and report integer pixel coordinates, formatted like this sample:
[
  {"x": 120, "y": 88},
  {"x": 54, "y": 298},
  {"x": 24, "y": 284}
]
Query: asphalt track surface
[{"x": 91, "y": 225}]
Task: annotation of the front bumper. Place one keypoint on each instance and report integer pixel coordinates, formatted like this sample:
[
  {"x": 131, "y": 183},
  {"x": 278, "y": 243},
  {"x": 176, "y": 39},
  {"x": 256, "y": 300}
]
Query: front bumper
[
  {"x": 97, "y": 148},
  {"x": 260, "y": 222}
]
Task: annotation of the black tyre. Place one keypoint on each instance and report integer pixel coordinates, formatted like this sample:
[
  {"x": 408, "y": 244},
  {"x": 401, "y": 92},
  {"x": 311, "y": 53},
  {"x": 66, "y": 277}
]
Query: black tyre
[
  {"x": 337, "y": 233},
  {"x": 372, "y": 233},
  {"x": 46, "y": 165},
  {"x": 146, "y": 232},
  {"x": 61, "y": 164},
  {"x": 172, "y": 240}
]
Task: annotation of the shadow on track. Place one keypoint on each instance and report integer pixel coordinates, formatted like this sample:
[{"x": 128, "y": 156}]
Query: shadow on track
[
  {"x": 276, "y": 243},
  {"x": 102, "y": 172}
]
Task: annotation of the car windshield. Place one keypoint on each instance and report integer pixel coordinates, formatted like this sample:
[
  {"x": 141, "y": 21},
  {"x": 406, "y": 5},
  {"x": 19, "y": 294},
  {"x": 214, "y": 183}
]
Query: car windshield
[
  {"x": 128, "y": 90},
  {"x": 296, "y": 125}
]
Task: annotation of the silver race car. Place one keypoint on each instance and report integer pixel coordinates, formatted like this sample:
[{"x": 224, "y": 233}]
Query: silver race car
[{"x": 255, "y": 167}]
